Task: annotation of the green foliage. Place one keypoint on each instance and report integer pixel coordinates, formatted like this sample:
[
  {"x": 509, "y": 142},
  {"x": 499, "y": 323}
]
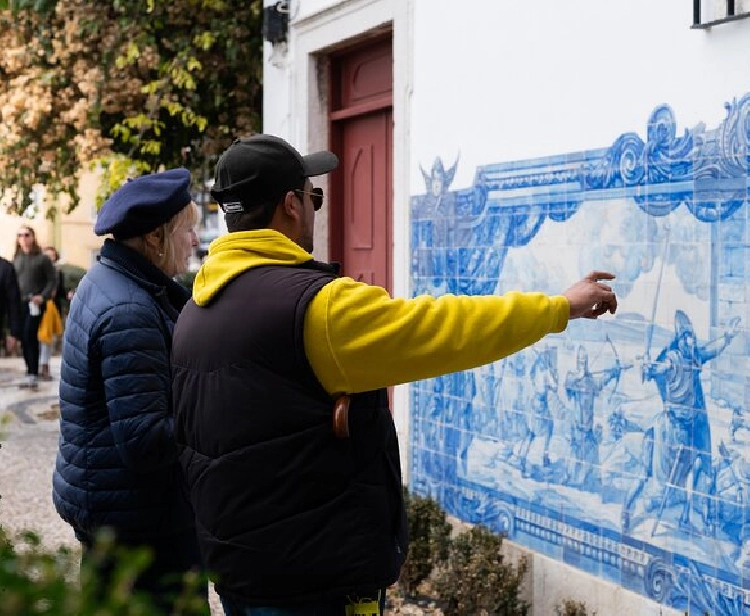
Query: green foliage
[
  {"x": 126, "y": 84},
  {"x": 72, "y": 275},
  {"x": 36, "y": 581},
  {"x": 475, "y": 580},
  {"x": 187, "y": 279},
  {"x": 34, "y": 5},
  {"x": 200, "y": 66},
  {"x": 464, "y": 575},
  {"x": 570, "y": 607},
  {"x": 429, "y": 540},
  {"x": 115, "y": 171}
]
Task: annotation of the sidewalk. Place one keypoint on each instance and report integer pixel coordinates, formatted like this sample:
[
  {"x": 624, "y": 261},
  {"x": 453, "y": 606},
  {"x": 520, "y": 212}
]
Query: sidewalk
[
  {"x": 22, "y": 406},
  {"x": 29, "y": 435},
  {"x": 29, "y": 432}
]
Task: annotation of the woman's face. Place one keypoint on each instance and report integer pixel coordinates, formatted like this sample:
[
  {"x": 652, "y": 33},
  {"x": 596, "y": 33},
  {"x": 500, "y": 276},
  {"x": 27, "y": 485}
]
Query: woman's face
[
  {"x": 184, "y": 239},
  {"x": 25, "y": 239}
]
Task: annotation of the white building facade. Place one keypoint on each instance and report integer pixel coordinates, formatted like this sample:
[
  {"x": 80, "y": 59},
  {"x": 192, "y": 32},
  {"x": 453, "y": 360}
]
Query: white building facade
[{"x": 495, "y": 146}]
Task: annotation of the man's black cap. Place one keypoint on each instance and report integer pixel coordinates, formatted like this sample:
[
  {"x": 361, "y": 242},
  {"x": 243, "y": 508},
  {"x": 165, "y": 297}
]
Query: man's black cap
[{"x": 262, "y": 168}]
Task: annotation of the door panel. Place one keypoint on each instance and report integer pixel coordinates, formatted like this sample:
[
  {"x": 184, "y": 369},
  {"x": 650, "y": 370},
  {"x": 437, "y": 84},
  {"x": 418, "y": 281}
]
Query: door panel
[
  {"x": 364, "y": 75},
  {"x": 366, "y": 145}
]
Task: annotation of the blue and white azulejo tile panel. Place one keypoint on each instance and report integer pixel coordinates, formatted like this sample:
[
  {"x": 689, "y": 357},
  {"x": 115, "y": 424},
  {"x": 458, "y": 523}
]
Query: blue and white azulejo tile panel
[{"x": 621, "y": 446}]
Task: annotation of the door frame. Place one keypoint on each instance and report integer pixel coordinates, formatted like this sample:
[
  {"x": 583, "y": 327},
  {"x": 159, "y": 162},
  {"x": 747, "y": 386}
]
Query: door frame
[{"x": 311, "y": 37}]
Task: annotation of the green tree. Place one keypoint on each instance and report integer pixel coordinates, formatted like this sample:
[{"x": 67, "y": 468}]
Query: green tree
[{"x": 130, "y": 85}]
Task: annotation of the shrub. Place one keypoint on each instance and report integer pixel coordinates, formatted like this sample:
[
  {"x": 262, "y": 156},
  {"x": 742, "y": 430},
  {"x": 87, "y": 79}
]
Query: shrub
[
  {"x": 36, "y": 581},
  {"x": 72, "y": 275},
  {"x": 475, "y": 580},
  {"x": 187, "y": 279},
  {"x": 570, "y": 607},
  {"x": 429, "y": 539}
]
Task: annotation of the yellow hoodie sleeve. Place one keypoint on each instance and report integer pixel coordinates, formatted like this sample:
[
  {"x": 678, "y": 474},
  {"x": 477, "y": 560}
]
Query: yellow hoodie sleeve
[{"x": 358, "y": 338}]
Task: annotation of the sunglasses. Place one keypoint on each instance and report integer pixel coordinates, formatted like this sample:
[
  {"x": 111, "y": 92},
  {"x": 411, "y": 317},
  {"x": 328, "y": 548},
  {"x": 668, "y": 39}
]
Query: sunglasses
[{"x": 316, "y": 195}]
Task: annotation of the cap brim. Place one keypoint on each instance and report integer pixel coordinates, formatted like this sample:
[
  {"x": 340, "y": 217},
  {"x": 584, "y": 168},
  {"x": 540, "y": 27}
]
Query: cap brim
[{"x": 320, "y": 163}]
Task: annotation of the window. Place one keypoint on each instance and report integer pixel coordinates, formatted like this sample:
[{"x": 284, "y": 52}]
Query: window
[{"x": 707, "y": 13}]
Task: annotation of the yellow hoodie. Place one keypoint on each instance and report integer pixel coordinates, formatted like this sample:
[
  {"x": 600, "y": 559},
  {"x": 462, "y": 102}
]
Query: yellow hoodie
[{"x": 358, "y": 338}]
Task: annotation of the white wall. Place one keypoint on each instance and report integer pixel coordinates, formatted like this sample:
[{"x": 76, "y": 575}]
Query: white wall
[
  {"x": 277, "y": 75},
  {"x": 497, "y": 81},
  {"x": 502, "y": 80},
  {"x": 306, "y": 8}
]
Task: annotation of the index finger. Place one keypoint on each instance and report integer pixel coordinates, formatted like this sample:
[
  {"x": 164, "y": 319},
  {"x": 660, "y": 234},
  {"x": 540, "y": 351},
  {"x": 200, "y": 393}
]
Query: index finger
[{"x": 597, "y": 275}]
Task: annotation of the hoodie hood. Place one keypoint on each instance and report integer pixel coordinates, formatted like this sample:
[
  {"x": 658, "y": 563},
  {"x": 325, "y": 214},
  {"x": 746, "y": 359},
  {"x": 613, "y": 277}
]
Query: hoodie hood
[{"x": 235, "y": 253}]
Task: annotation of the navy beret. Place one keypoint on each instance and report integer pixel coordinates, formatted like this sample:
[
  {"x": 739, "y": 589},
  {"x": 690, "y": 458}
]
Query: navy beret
[{"x": 144, "y": 203}]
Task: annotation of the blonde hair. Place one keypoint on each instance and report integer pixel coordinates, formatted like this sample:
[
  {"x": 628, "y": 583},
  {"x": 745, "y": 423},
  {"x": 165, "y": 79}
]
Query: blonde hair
[{"x": 163, "y": 255}]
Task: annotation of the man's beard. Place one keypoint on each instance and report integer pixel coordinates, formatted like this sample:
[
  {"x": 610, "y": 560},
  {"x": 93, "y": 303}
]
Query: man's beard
[
  {"x": 306, "y": 242},
  {"x": 306, "y": 239}
]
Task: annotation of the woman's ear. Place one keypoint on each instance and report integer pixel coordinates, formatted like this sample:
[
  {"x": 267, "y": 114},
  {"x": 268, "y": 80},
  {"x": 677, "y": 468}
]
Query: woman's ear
[{"x": 153, "y": 240}]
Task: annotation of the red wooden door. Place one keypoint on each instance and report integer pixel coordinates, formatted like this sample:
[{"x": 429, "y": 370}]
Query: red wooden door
[
  {"x": 366, "y": 145},
  {"x": 362, "y": 130}
]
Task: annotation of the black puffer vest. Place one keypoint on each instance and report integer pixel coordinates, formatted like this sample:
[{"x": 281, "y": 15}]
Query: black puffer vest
[{"x": 287, "y": 513}]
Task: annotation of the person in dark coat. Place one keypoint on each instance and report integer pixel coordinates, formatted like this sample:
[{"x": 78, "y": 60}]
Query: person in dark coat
[
  {"x": 117, "y": 465},
  {"x": 36, "y": 281},
  {"x": 10, "y": 304}
]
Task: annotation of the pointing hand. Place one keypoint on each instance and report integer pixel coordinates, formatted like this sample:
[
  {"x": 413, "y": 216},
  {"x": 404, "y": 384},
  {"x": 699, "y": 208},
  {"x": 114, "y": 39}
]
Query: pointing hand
[{"x": 589, "y": 298}]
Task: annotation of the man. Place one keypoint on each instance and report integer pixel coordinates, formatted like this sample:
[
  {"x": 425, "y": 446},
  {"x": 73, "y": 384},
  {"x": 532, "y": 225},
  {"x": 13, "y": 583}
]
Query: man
[
  {"x": 583, "y": 386},
  {"x": 10, "y": 304},
  {"x": 677, "y": 448},
  {"x": 281, "y": 412},
  {"x": 544, "y": 383}
]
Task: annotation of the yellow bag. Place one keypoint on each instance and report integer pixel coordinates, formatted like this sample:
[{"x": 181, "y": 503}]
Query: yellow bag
[{"x": 50, "y": 325}]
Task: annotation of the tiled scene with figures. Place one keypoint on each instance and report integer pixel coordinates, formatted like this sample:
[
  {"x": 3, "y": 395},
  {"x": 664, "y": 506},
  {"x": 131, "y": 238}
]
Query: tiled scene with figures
[{"x": 622, "y": 446}]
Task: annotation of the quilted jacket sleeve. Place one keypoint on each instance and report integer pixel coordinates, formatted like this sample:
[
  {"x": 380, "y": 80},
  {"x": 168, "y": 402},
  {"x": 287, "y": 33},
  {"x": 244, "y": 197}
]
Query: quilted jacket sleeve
[{"x": 136, "y": 375}]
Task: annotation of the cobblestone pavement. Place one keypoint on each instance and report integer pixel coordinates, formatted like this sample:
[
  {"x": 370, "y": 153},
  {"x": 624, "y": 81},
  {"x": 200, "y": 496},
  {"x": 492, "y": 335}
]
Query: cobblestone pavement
[{"x": 28, "y": 445}]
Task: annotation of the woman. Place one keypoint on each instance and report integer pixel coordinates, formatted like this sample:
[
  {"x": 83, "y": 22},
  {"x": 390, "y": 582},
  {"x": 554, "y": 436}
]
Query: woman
[
  {"x": 117, "y": 462},
  {"x": 45, "y": 347},
  {"x": 36, "y": 281},
  {"x": 60, "y": 292}
]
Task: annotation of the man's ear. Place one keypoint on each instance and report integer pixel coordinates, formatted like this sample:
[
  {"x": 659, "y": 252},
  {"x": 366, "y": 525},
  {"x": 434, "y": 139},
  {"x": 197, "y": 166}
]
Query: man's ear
[{"x": 289, "y": 205}]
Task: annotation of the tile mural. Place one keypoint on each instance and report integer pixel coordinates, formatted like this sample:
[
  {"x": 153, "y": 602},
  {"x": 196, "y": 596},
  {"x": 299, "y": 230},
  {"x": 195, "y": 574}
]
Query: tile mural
[{"x": 621, "y": 446}]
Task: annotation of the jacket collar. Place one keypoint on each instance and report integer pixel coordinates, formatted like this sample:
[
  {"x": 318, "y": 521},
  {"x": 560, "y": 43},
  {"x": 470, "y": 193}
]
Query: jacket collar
[{"x": 170, "y": 295}]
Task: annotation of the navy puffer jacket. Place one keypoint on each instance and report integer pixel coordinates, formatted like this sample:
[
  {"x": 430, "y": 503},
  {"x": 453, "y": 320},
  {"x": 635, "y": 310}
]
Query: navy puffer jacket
[{"x": 117, "y": 461}]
